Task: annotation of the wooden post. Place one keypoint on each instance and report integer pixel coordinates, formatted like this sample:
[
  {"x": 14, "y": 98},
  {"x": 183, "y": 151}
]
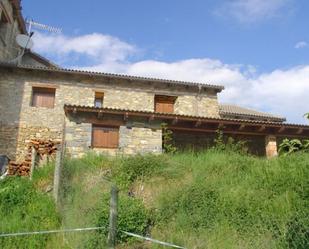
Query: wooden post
[
  {"x": 33, "y": 161},
  {"x": 113, "y": 215},
  {"x": 57, "y": 173}
]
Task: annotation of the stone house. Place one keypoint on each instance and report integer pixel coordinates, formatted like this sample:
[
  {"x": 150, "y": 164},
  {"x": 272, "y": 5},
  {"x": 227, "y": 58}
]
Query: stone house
[
  {"x": 123, "y": 114},
  {"x": 115, "y": 114}
]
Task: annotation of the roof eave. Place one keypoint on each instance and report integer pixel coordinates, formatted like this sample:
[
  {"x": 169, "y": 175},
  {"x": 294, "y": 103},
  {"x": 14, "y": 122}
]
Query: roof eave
[{"x": 218, "y": 88}]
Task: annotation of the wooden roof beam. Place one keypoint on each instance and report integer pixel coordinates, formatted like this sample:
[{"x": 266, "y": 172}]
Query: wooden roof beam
[
  {"x": 198, "y": 123},
  {"x": 281, "y": 129},
  {"x": 262, "y": 128},
  {"x": 151, "y": 118},
  {"x": 242, "y": 127},
  {"x": 100, "y": 114},
  {"x": 221, "y": 126},
  {"x": 300, "y": 131},
  {"x": 175, "y": 121}
]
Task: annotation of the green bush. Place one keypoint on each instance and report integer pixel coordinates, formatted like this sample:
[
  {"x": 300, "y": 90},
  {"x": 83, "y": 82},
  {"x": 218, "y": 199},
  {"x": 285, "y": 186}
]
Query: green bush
[
  {"x": 194, "y": 206},
  {"x": 288, "y": 146},
  {"x": 23, "y": 209},
  {"x": 229, "y": 144},
  {"x": 133, "y": 168},
  {"x": 132, "y": 217}
]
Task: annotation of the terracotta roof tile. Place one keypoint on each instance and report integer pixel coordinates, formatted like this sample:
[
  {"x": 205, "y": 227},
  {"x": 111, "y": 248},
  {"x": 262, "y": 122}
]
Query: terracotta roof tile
[{"x": 234, "y": 110}]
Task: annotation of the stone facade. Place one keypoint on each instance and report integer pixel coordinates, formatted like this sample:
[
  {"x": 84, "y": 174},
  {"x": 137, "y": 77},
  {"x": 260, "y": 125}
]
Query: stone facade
[
  {"x": 142, "y": 140},
  {"x": 8, "y": 30},
  {"x": 77, "y": 138},
  {"x": 199, "y": 105},
  {"x": 20, "y": 121},
  {"x": 271, "y": 146},
  {"x": 132, "y": 140}
]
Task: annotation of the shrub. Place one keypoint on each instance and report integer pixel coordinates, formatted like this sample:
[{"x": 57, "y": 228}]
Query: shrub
[
  {"x": 132, "y": 217},
  {"x": 137, "y": 167},
  {"x": 167, "y": 138},
  {"x": 194, "y": 206},
  {"x": 294, "y": 145},
  {"x": 230, "y": 145},
  {"x": 22, "y": 208}
]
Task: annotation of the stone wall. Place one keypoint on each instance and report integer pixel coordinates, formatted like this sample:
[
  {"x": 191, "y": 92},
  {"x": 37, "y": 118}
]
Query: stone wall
[
  {"x": 28, "y": 132},
  {"x": 271, "y": 146},
  {"x": 132, "y": 140},
  {"x": 139, "y": 140},
  {"x": 8, "y": 140},
  {"x": 11, "y": 94},
  {"x": 77, "y": 138},
  {"x": 8, "y": 47},
  {"x": 20, "y": 120},
  {"x": 128, "y": 99},
  {"x": 198, "y": 105}
]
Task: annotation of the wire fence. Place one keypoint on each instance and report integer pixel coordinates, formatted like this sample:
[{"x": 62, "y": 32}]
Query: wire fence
[{"x": 88, "y": 229}]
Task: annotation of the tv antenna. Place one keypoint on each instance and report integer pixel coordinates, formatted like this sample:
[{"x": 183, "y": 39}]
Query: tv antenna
[
  {"x": 24, "y": 40},
  {"x": 41, "y": 26}
]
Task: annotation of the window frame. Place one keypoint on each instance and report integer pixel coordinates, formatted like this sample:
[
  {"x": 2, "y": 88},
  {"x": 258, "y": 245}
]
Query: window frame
[
  {"x": 109, "y": 128},
  {"x": 164, "y": 99},
  {"x": 98, "y": 96},
  {"x": 48, "y": 91}
]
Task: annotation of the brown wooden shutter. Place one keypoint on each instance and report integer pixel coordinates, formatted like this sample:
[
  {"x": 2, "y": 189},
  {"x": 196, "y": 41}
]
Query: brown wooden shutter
[
  {"x": 105, "y": 137},
  {"x": 164, "y": 104},
  {"x": 43, "y": 97}
]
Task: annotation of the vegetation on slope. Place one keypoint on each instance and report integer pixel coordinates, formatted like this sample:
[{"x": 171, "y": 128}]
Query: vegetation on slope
[
  {"x": 212, "y": 199},
  {"x": 23, "y": 208}
]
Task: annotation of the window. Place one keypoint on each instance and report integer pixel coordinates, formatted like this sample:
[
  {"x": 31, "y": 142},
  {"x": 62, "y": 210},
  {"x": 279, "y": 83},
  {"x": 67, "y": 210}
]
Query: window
[
  {"x": 98, "y": 99},
  {"x": 164, "y": 104},
  {"x": 43, "y": 97},
  {"x": 105, "y": 136}
]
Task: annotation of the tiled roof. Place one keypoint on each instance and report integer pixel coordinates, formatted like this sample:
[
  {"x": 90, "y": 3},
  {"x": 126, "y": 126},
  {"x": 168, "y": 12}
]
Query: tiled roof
[
  {"x": 41, "y": 59},
  {"x": 189, "y": 117},
  {"x": 112, "y": 75},
  {"x": 233, "y": 110}
]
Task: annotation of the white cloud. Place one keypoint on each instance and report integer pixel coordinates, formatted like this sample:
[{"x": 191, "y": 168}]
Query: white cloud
[
  {"x": 249, "y": 11},
  {"x": 301, "y": 44},
  {"x": 283, "y": 92},
  {"x": 97, "y": 47}
]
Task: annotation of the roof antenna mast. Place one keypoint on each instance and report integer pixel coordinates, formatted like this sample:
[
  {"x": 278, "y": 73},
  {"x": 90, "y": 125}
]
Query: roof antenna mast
[
  {"x": 41, "y": 26},
  {"x": 25, "y": 41}
]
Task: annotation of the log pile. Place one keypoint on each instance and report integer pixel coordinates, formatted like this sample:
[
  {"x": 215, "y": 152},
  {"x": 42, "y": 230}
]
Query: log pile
[{"x": 44, "y": 149}]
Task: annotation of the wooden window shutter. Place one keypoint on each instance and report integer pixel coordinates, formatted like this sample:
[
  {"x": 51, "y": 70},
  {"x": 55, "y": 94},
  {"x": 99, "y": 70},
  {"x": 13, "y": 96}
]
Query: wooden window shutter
[
  {"x": 43, "y": 97},
  {"x": 105, "y": 137},
  {"x": 164, "y": 104}
]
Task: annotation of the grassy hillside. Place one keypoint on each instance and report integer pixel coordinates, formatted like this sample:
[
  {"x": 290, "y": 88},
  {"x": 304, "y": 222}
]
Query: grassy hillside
[{"x": 205, "y": 200}]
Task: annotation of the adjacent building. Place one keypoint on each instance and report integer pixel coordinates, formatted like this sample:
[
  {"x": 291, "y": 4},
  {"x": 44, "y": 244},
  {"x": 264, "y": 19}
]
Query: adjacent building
[{"x": 116, "y": 114}]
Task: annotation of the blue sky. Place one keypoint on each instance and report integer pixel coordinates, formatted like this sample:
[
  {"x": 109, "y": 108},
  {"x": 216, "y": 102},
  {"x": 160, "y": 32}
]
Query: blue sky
[{"x": 258, "y": 49}]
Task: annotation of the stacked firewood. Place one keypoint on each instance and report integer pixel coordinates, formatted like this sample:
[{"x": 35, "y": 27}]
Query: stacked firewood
[
  {"x": 20, "y": 169},
  {"x": 43, "y": 148}
]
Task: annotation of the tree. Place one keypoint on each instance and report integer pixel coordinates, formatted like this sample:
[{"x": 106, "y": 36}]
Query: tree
[{"x": 306, "y": 115}]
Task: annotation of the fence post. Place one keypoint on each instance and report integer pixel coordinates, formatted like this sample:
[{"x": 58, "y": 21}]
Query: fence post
[
  {"x": 113, "y": 215},
  {"x": 33, "y": 161},
  {"x": 57, "y": 173}
]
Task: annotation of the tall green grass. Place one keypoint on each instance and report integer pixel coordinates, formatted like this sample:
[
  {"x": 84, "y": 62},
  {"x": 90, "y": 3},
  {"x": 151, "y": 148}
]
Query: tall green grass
[
  {"x": 211, "y": 199},
  {"x": 24, "y": 209}
]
